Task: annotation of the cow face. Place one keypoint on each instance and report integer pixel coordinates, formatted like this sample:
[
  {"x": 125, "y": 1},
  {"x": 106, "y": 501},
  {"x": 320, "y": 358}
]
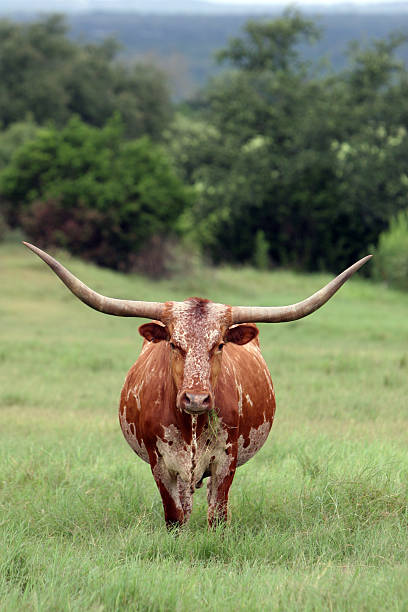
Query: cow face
[{"x": 197, "y": 331}]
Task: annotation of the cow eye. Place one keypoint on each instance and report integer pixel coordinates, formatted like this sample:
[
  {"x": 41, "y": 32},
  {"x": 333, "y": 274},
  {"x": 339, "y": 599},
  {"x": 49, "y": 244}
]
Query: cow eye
[
  {"x": 221, "y": 346},
  {"x": 172, "y": 345}
]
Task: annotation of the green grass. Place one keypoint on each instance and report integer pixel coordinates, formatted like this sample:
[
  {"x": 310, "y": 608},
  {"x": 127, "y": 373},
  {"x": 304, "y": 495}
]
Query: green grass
[{"x": 319, "y": 518}]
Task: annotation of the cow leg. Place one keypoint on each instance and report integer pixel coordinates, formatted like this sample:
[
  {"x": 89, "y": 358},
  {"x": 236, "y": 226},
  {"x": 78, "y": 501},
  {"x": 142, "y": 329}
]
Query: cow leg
[
  {"x": 222, "y": 475},
  {"x": 168, "y": 487},
  {"x": 186, "y": 497}
]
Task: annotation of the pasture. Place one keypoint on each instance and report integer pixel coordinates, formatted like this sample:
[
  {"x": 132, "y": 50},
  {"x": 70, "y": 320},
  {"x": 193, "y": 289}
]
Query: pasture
[{"x": 319, "y": 518}]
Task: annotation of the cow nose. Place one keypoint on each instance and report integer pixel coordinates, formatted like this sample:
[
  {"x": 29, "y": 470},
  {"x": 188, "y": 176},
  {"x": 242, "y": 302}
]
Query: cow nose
[{"x": 196, "y": 402}]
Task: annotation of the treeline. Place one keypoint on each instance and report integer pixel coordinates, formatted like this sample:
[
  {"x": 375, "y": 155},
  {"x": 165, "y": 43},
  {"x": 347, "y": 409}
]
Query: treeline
[
  {"x": 271, "y": 164},
  {"x": 46, "y": 77},
  {"x": 185, "y": 43}
]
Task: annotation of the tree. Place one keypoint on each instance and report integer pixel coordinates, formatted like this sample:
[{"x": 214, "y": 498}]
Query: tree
[
  {"x": 46, "y": 76},
  {"x": 14, "y": 137},
  {"x": 271, "y": 45},
  {"x": 280, "y": 165}
]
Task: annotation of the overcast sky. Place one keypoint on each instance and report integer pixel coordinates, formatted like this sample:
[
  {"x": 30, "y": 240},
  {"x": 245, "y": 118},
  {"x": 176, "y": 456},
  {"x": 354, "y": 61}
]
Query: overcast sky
[{"x": 172, "y": 6}]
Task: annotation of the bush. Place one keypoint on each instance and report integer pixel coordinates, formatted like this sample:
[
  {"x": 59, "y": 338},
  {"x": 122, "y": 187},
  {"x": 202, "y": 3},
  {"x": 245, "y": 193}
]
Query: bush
[
  {"x": 261, "y": 258},
  {"x": 83, "y": 232},
  {"x": 13, "y": 137},
  {"x": 80, "y": 230},
  {"x": 391, "y": 259},
  {"x": 84, "y": 189}
]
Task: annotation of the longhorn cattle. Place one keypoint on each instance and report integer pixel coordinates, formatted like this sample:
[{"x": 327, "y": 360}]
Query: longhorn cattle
[{"x": 199, "y": 401}]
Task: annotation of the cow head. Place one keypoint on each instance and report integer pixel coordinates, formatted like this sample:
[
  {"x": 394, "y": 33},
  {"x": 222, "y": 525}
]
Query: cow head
[{"x": 196, "y": 331}]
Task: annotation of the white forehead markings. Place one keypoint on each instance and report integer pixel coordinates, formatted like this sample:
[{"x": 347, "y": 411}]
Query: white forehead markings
[
  {"x": 197, "y": 327},
  {"x": 193, "y": 321}
]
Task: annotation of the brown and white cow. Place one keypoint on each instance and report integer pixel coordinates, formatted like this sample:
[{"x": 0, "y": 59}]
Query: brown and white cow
[{"x": 199, "y": 401}]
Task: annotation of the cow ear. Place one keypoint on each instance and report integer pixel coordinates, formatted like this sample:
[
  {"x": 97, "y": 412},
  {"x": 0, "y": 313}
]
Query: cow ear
[
  {"x": 154, "y": 332},
  {"x": 242, "y": 334}
]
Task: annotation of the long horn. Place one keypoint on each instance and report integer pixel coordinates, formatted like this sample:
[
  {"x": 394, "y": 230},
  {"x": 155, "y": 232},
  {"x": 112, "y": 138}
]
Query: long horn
[
  {"x": 282, "y": 314},
  {"x": 120, "y": 308}
]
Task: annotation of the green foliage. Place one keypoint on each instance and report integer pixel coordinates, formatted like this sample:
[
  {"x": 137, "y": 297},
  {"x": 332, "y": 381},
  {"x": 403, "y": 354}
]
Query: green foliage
[
  {"x": 391, "y": 257},
  {"x": 270, "y": 45},
  {"x": 13, "y": 137},
  {"x": 85, "y": 189},
  {"x": 46, "y": 76},
  {"x": 372, "y": 68},
  {"x": 316, "y": 162},
  {"x": 261, "y": 258},
  {"x": 192, "y": 143}
]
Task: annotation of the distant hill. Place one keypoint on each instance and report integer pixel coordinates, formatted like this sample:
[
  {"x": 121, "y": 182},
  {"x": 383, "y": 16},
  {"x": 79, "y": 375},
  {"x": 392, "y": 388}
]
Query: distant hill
[{"x": 184, "y": 45}]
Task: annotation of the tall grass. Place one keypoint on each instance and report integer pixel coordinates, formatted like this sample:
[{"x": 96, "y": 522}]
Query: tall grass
[{"x": 319, "y": 517}]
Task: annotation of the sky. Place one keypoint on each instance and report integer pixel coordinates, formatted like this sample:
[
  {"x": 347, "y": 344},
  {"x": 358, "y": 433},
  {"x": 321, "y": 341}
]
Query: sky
[{"x": 157, "y": 6}]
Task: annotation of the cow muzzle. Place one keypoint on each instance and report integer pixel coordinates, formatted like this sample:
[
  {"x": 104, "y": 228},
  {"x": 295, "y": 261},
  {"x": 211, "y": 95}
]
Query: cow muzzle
[{"x": 195, "y": 403}]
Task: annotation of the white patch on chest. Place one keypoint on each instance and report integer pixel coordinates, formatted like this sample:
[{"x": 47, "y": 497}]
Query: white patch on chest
[
  {"x": 191, "y": 461},
  {"x": 129, "y": 432},
  {"x": 257, "y": 438}
]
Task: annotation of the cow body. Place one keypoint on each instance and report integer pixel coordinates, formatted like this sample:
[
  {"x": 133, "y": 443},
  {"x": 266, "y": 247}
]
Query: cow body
[{"x": 181, "y": 448}]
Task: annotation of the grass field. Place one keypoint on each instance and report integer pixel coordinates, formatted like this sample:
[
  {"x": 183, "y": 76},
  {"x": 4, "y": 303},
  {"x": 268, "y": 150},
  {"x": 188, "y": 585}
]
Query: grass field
[{"x": 319, "y": 518}]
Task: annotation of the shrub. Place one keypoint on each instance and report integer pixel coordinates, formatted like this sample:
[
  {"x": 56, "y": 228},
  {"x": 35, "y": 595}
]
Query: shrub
[
  {"x": 13, "y": 137},
  {"x": 391, "y": 259},
  {"x": 84, "y": 189},
  {"x": 261, "y": 258}
]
